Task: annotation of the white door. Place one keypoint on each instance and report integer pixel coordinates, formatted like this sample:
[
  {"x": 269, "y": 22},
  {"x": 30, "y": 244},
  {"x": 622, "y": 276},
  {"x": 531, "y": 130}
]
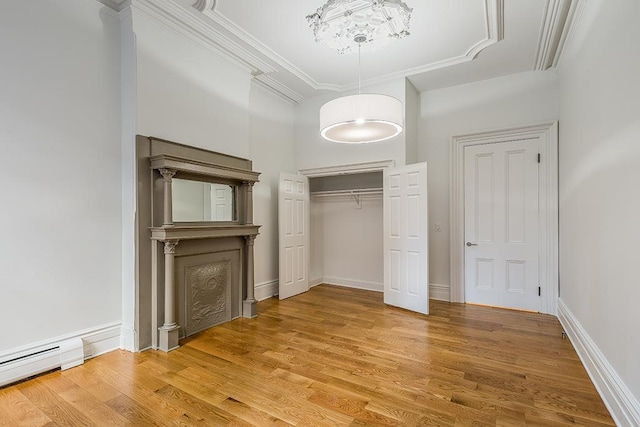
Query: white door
[
  {"x": 293, "y": 218},
  {"x": 221, "y": 202},
  {"x": 406, "y": 269},
  {"x": 501, "y": 224}
]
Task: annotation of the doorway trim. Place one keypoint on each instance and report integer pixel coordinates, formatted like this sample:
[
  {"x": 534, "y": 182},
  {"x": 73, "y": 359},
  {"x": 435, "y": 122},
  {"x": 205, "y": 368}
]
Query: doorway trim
[
  {"x": 547, "y": 133},
  {"x": 347, "y": 169}
]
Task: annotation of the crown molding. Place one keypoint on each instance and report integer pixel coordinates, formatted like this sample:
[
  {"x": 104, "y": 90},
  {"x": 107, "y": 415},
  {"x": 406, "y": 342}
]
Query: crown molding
[
  {"x": 552, "y": 33},
  {"x": 193, "y": 27},
  {"x": 273, "y": 85},
  {"x": 574, "y": 19},
  {"x": 494, "y": 13},
  {"x": 203, "y": 5},
  {"x": 256, "y": 44},
  {"x": 203, "y": 24},
  {"x": 559, "y": 24},
  {"x": 116, "y": 5},
  {"x": 494, "y": 25}
]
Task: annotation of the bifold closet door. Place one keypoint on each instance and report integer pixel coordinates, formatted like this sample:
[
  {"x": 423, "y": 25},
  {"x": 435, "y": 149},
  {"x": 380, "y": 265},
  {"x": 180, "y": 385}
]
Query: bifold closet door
[
  {"x": 406, "y": 269},
  {"x": 294, "y": 232}
]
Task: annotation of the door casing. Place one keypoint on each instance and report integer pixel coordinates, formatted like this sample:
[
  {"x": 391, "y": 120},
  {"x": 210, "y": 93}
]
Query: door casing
[{"x": 547, "y": 133}]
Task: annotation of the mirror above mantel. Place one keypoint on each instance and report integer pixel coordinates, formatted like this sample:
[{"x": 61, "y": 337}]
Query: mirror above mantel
[{"x": 198, "y": 201}]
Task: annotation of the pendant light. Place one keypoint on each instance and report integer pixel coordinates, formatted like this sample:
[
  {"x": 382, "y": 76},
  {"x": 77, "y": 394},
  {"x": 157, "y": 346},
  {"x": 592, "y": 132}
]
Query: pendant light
[
  {"x": 365, "y": 117},
  {"x": 361, "y": 118}
]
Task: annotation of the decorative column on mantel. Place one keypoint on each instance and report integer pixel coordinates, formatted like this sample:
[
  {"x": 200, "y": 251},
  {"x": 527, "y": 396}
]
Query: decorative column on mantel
[
  {"x": 249, "y": 200},
  {"x": 249, "y": 305},
  {"x": 167, "y": 177},
  {"x": 170, "y": 330}
]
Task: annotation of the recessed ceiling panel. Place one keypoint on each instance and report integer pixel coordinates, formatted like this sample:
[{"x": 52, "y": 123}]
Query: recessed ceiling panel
[{"x": 441, "y": 32}]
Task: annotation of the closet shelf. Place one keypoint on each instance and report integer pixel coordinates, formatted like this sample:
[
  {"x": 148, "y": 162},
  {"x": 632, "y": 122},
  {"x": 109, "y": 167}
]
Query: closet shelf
[{"x": 355, "y": 194}]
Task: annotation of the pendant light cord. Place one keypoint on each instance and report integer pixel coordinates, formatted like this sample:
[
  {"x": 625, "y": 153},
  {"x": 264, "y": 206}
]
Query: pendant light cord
[{"x": 359, "y": 68}]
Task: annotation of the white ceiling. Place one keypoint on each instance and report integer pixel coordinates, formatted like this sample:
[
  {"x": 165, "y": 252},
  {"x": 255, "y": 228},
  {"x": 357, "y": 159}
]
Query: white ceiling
[{"x": 451, "y": 42}]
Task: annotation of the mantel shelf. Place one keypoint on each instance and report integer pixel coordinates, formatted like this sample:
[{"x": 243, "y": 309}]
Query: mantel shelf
[
  {"x": 191, "y": 232},
  {"x": 164, "y": 161}
]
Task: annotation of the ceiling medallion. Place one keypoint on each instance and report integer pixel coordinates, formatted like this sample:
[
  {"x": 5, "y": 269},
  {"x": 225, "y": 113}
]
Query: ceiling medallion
[{"x": 379, "y": 22}]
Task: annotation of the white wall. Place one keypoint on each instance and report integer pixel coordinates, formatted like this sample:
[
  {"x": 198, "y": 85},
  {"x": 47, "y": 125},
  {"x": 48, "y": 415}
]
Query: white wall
[
  {"x": 347, "y": 242},
  {"x": 599, "y": 183},
  {"x": 60, "y": 262},
  {"x": 503, "y": 102},
  {"x": 411, "y": 123},
  {"x": 312, "y": 151},
  {"x": 187, "y": 93},
  {"x": 272, "y": 152}
]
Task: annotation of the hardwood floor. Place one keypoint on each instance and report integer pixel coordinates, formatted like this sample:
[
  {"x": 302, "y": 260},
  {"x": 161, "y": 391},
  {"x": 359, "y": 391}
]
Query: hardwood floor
[{"x": 332, "y": 356}]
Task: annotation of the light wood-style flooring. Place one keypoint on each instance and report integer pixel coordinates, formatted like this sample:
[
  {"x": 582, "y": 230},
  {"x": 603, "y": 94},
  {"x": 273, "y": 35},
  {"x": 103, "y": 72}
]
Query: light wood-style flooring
[{"x": 332, "y": 356}]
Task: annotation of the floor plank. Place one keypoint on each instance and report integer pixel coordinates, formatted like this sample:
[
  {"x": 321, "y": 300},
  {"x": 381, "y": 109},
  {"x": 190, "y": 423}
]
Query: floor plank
[{"x": 331, "y": 356}]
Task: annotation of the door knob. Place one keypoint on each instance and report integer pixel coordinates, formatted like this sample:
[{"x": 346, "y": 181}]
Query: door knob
[{"x": 471, "y": 244}]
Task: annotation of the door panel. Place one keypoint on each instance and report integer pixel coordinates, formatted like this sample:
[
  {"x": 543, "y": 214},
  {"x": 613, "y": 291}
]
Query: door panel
[
  {"x": 501, "y": 224},
  {"x": 293, "y": 218},
  {"x": 406, "y": 272}
]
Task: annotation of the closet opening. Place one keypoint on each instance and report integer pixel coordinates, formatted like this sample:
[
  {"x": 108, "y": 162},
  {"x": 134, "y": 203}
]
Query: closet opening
[
  {"x": 361, "y": 226},
  {"x": 346, "y": 225}
]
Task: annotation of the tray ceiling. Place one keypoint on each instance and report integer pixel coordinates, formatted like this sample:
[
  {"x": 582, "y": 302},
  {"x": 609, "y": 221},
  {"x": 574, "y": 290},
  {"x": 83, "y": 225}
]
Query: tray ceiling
[{"x": 451, "y": 42}]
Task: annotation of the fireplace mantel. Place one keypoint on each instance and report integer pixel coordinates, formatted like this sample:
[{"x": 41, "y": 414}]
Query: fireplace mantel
[
  {"x": 188, "y": 232},
  {"x": 180, "y": 250}
]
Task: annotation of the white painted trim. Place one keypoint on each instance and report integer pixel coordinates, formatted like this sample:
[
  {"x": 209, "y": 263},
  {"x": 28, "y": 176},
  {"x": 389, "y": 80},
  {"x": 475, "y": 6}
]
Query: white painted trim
[
  {"x": 115, "y": 5},
  {"x": 65, "y": 351},
  {"x": 494, "y": 32},
  {"x": 266, "y": 81},
  {"x": 128, "y": 172},
  {"x": 558, "y": 25},
  {"x": 187, "y": 23},
  {"x": 266, "y": 289},
  {"x": 574, "y": 21},
  {"x": 551, "y": 32},
  {"x": 439, "y": 292},
  {"x": 102, "y": 340},
  {"x": 346, "y": 169},
  {"x": 315, "y": 282},
  {"x": 194, "y": 25},
  {"x": 351, "y": 283},
  {"x": 623, "y": 406},
  {"x": 548, "y": 206},
  {"x": 128, "y": 339}
]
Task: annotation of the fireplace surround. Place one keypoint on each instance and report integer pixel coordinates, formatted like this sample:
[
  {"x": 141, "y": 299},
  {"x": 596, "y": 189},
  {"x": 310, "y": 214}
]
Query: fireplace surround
[{"x": 191, "y": 275}]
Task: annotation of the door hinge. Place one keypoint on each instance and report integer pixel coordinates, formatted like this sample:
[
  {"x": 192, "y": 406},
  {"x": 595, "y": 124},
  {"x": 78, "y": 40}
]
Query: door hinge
[
  {"x": 539, "y": 291},
  {"x": 538, "y": 157}
]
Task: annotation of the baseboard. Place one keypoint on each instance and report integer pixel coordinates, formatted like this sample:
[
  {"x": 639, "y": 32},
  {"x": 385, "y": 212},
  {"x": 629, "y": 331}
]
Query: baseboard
[
  {"x": 102, "y": 340},
  {"x": 128, "y": 338},
  {"x": 266, "y": 290},
  {"x": 315, "y": 282},
  {"x": 439, "y": 292},
  {"x": 350, "y": 283},
  {"x": 623, "y": 406},
  {"x": 63, "y": 352}
]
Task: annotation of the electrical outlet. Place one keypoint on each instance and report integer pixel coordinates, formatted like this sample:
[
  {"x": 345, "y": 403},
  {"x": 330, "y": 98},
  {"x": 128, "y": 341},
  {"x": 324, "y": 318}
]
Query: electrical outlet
[{"x": 438, "y": 227}]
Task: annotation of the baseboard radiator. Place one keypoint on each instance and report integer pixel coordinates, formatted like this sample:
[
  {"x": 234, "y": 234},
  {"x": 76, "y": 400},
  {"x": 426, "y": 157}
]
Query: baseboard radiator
[{"x": 20, "y": 365}]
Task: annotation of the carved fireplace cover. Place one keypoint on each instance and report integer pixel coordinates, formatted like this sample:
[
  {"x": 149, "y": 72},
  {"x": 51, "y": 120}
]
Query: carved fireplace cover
[{"x": 208, "y": 289}]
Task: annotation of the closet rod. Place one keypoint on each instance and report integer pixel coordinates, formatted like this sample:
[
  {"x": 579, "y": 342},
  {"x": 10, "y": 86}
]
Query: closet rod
[{"x": 346, "y": 192}]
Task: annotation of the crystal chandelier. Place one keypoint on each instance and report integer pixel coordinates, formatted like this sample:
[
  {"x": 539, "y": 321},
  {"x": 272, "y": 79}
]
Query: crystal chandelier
[{"x": 342, "y": 25}]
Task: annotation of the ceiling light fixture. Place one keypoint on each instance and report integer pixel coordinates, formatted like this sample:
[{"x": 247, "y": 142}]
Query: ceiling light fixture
[
  {"x": 342, "y": 24},
  {"x": 380, "y": 22}
]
